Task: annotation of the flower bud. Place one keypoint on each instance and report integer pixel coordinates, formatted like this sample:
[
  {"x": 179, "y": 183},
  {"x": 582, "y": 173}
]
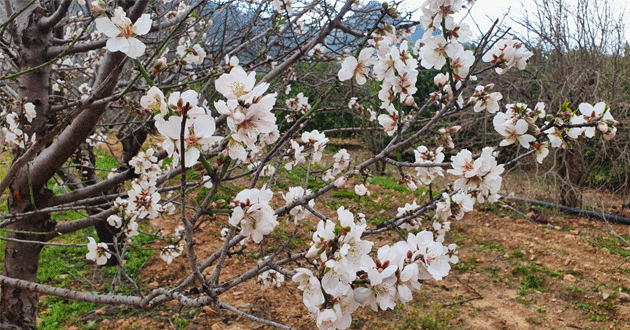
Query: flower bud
[
  {"x": 99, "y": 6},
  {"x": 409, "y": 101},
  {"x": 159, "y": 65},
  {"x": 312, "y": 252},
  {"x": 341, "y": 181}
]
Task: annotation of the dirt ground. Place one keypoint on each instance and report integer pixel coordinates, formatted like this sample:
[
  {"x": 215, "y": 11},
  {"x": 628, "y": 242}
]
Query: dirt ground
[
  {"x": 515, "y": 273},
  {"x": 521, "y": 267}
]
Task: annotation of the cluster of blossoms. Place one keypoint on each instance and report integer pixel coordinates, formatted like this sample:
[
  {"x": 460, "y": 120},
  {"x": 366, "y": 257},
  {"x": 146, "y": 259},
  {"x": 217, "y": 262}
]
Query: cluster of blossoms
[
  {"x": 197, "y": 131},
  {"x": 348, "y": 277},
  {"x": 314, "y": 142},
  {"x": 507, "y": 53},
  {"x": 299, "y": 103},
  {"x": 342, "y": 162},
  {"x": 248, "y": 111},
  {"x": 518, "y": 124},
  {"x": 480, "y": 177},
  {"x": 423, "y": 155},
  {"x": 267, "y": 170},
  {"x": 190, "y": 54},
  {"x": 253, "y": 214},
  {"x": 294, "y": 194},
  {"x": 13, "y": 132},
  {"x": 142, "y": 202}
]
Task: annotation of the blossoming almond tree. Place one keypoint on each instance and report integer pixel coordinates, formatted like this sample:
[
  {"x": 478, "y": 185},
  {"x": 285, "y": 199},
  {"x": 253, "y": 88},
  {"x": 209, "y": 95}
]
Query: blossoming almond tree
[{"x": 216, "y": 111}]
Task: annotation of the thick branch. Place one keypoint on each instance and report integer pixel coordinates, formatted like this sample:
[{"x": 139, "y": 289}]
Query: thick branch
[{"x": 50, "y": 21}]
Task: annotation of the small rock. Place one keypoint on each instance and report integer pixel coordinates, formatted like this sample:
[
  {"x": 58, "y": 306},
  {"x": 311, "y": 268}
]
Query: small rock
[
  {"x": 569, "y": 278},
  {"x": 567, "y": 262},
  {"x": 574, "y": 232},
  {"x": 62, "y": 276},
  {"x": 605, "y": 295},
  {"x": 209, "y": 311},
  {"x": 532, "y": 258},
  {"x": 623, "y": 297},
  {"x": 153, "y": 285},
  {"x": 479, "y": 260},
  {"x": 557, "y": 227},
  {"x": 99, "y": 312},
  {"x": 245, "y": 306}
]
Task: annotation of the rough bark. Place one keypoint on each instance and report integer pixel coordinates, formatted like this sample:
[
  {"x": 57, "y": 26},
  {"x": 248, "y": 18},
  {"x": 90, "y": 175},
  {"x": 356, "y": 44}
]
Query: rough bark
[
  {"x": 18, "y": 307},
  {"x": 33, "y": 34}
]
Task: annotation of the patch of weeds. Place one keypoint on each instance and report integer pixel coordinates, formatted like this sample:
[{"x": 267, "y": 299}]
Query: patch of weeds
[
  {"x": 575, "y": 273},
  {"x": 593, "y": 313},
  {"x": 462, "y": 265},
  {"x": 493, "y": 270},
  {"x": 517, "y": 254},
  {"x": 343, "y": 194},
  {"x": 436, "y": 318},
  {"x": 534, "y": 320},
  {"x": 333, "y": 204},
  {"x": 532, "y": 281},
  {"x": 63, "y": 265},
  {"x": 391, "y": 184},
  {"x": 280, "y": 234},
  {"x": 609, "y": 305},
  {"x": 575, "y": 289},
  {"x": 490, "y": 245},
  {"x": 56, "y": 311},
  {"x": 377, "y": 220},
  {"x": 180, "y": 322},
  {"x": 297, "y": 175},
  {"x": 104, "y": 161},
  {"x": 533, "y": 277},
  {"x": 614, "y": 244},
  {"x": 221, "y": 194}
]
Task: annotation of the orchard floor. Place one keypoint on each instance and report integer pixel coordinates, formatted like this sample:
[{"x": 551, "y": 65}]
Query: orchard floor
[
  {"x": 514, "y": 273},
  {"x": 521, "y": 267}
]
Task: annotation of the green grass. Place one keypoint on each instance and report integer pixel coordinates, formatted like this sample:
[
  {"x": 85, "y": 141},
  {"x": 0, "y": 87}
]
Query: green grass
[
  {"x": 56, "y": 261},
  {"x": 534, "y": 277},
  {"x": 104, "y": 161},
  {"x": 391, "y": 183},
  {"x": 137, "y": 256},
  {"x": 614, "y": 244},
  {"x": 58, "y": 311},
  {"x": 297, "y": 175},
  {"x": 489, "y": 245},
  {"x": 436, "y": 318}
]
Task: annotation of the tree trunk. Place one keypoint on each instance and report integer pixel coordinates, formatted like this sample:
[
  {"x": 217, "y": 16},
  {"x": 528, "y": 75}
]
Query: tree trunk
[
  {"x": 570, "y": 175},
  {"x": 18, "y": 307}
]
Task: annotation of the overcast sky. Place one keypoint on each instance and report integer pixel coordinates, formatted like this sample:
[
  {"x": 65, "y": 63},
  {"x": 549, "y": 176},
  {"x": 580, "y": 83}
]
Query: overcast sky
[{"x": 486, "y": 11}]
